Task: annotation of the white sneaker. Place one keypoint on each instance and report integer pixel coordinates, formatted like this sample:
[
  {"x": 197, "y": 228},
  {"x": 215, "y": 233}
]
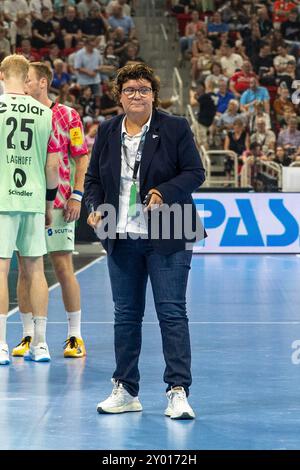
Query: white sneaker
[
  {"x": 178, "y": 406},
  {"x": 39, "y": 353},
  {"x": 4, "y": 355},
  {"x": 120, "y": 401}
]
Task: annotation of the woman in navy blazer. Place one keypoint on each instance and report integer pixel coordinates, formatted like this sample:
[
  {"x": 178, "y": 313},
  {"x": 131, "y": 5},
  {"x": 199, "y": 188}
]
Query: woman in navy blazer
[{"x": 143, "y": 170}]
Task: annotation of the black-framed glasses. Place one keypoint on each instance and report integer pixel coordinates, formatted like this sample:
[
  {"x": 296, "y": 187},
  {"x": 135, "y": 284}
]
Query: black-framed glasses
[{"x": 130, "y": 92}]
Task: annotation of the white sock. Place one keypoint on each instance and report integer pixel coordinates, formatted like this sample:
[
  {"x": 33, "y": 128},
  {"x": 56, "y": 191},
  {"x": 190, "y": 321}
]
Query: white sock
[
  {"x": 28, "y": 325},
  {"x": 3, "y": 319},
  {"x": 39, "y": 335},
  {"x": 74, "y": 327}
]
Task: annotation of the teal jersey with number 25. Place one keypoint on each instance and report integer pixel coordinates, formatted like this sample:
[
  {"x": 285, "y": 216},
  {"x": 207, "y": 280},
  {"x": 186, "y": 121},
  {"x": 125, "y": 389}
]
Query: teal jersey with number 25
[{"x": 25, "y": 140}]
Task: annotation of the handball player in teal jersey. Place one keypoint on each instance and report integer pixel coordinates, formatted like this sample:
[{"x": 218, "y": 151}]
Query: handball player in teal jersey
[{"x": 29, "y": 159}]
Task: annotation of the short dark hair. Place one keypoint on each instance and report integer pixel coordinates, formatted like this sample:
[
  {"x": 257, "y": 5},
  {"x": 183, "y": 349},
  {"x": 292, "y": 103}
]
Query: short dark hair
[
  {"x": 89, "y": 39},
  {"x": 136, "y": 72},
  {"x": 42, "y": 71}
]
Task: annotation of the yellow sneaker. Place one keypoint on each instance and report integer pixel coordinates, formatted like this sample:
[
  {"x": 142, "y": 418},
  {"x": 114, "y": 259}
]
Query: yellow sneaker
[
  {"x": 74, "y": 347},
  {"x": 22, "y": 347}
]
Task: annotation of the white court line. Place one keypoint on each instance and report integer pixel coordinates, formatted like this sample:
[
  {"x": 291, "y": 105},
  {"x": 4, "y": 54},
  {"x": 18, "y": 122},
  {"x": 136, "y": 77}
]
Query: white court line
[
  {"x": 13, "y": 399},
  {"x": 287, "y": 256},
  {"x": 54, "y": 286}
]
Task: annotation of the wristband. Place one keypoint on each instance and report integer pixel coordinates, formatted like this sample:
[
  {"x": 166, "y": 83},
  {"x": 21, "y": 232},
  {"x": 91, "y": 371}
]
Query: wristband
[
  {"x": 76, "y": 191},
  {"x": 51, "y": 194},
  {"x": 76, "y": 195}
]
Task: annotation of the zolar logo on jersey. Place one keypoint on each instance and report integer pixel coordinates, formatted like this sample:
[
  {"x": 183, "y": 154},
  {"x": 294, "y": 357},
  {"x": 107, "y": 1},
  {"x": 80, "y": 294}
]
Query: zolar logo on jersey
[
  {"x": 26, "y": 108},
  {"x": 3, "y": 107}
]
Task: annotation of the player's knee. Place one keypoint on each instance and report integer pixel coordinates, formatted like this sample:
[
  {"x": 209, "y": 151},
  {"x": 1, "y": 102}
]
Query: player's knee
[{"x": 65, "y": 274}]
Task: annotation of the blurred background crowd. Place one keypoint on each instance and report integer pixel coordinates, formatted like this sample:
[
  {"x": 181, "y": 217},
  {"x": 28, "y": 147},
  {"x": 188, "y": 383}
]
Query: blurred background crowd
[{"x": 243, "y": 59}]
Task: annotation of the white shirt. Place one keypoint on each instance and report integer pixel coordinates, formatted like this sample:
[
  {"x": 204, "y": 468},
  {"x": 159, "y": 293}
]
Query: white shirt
[
  {"x": 231, "y": 63},
  {"x": 280, "y": 60},
  {"x": 14, "y": 7},
  {"x": 36, "y": 6},
  {"x": 87, "y": 60},
  {"x": 125, "y": 223}
]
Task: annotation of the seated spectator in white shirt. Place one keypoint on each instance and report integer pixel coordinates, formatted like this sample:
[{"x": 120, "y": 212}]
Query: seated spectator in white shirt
[
  {"x": 259, "y": 113},
  {"x": 281, "y": 60},
  {"x": 265, "y": 137},
  {"x": 13, "y": 7},
  {"x": 230, "y": 61},
  {"x": 19, "y": 30},
  {"x": 35, "y": 7}
]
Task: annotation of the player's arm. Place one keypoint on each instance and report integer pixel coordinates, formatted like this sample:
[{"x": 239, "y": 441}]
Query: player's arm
[
  {"x": 73, "y": 206},
  {"x": 51, "y": 171},
  {"x": 79, "y": 152}
]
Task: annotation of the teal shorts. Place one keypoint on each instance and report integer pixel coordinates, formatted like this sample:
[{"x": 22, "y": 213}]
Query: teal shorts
[
  {"x": 24, "y": 231},
  {"x": 61, "y": 235}
]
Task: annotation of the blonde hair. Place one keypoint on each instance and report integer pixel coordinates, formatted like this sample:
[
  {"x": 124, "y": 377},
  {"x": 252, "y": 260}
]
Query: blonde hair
[
  {"x": 58, "y": 62},
  {"x": 15, "y": 66}
]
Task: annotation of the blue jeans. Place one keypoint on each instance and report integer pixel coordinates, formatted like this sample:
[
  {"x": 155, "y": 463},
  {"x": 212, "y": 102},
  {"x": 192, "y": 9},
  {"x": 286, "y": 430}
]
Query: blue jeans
[{"x": 130, "y": 264}]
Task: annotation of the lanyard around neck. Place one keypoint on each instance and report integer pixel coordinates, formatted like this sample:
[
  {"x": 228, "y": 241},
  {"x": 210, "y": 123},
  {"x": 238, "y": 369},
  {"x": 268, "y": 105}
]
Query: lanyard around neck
[{"x": 138, "y": 156}]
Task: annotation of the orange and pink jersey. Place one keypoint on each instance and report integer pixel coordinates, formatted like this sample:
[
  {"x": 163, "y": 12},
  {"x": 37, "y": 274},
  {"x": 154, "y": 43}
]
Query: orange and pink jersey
[{"x": 72, "y": 144}]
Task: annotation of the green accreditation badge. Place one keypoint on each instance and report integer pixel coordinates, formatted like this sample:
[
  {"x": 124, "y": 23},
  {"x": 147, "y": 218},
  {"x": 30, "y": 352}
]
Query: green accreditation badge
[{"x": 132, "y": 200}]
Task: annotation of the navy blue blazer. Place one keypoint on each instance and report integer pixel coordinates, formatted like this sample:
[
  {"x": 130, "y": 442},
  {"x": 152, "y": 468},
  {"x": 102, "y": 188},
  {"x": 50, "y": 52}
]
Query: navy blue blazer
[{"x": 170, "y": 163}]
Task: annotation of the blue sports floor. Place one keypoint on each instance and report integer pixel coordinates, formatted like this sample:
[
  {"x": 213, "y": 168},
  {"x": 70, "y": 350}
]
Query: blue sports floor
[{"x": 244, "y": 318}]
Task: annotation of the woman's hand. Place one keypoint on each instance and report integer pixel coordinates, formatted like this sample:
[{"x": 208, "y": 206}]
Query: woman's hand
[
  {"x": 93, "y": 219},
  {"x": 156, "y": 200}
]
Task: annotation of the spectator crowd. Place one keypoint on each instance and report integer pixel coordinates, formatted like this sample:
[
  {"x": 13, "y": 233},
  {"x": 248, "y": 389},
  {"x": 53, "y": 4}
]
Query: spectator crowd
[
  {"x": 244, "y": 61},
  {"x": 83, "y": 42}
]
